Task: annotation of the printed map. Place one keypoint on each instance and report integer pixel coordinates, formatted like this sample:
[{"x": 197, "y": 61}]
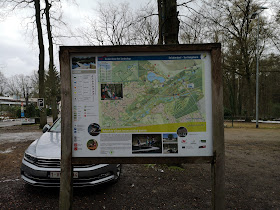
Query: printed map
[{"x": 155, "y": 92}]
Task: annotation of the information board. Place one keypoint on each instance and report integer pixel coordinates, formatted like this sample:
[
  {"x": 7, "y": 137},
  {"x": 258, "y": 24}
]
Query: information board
[{"x": 134, "y": 105}]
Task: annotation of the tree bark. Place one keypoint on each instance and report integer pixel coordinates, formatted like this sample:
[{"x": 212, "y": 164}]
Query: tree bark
[
  {"x": 171, "y": 24},
  {"x": 41, "y": 71},
  {"x": 51, "y": 62},
  {"x": 168, "y": 22},
  {"x": 160, "y": 21}
]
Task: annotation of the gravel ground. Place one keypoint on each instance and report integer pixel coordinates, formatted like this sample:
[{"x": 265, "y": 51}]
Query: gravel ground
[{"x": 252, "y": 178}]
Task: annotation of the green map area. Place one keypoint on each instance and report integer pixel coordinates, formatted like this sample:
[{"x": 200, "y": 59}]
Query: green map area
[{"x": 155, "y": 92}]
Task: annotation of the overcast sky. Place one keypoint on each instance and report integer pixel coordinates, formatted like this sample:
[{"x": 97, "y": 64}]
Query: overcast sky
[{"x": 19, "y": 52}]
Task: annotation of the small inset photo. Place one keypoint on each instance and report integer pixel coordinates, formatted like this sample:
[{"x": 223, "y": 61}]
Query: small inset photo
[
  {"x": 182, "y": 132},
  {"x": 111, "y": 92},
  {"x": 146, "y": 143},
  {"x": 83, "y": 62},
  {"x": 170, "y": 148},
  {"x": 92, "y": 144},
  {"x": 94, "y": 129},
  {"x": 170, "y": 137}
]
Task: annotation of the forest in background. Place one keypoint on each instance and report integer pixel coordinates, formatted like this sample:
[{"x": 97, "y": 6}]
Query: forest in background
[{"x": 234, "y": 24}]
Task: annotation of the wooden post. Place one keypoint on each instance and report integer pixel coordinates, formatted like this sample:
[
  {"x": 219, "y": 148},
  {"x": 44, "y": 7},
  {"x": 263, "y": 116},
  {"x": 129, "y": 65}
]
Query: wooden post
[
  {"x": 66, "y": 182},
  {"x": 218, "y": 164}
]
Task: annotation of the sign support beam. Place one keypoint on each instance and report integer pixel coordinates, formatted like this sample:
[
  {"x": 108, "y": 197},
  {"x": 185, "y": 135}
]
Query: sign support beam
[
  {"x": 218, "y": 163},
  {"x": 66, "y": 178}
]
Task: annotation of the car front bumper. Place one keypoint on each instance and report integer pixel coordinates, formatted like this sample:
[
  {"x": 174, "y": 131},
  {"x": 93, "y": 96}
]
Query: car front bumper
[{"x": 87, "y": 176}]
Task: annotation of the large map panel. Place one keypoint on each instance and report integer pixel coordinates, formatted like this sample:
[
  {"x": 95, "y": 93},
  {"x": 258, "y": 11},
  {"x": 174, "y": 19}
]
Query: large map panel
[
  {"x": 159, "y": 93},
  {"x": 142, "y": 105}
]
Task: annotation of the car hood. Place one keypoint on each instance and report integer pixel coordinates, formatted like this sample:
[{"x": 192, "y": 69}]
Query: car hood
[{"x": 49, "y": 145}]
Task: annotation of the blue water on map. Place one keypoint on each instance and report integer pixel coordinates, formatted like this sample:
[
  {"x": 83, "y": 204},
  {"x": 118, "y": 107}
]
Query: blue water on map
[{"x": 152, "y": 76}]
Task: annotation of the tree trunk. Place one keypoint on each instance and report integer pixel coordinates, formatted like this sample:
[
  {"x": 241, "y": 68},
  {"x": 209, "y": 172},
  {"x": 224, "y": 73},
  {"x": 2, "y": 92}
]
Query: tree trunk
[
  {"x": 171, "y": 24},
  {"x": 160, "y": 21},
  {"x": 43, "y": 115},
  {"x": 51, "y": 63},
  {"x": 168, "y": 22}
]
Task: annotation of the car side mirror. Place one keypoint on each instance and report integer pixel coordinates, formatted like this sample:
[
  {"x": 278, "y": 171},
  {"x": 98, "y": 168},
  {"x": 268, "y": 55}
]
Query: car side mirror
[{"x": 46, "y": 128}]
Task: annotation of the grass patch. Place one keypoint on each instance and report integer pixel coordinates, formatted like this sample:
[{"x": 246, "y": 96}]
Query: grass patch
[
  {"x": 150, "y": 165},
  {"x": 175, "y": 168}
]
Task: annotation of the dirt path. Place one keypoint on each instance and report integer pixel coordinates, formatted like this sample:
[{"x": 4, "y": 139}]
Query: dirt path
[{"x": 252, "y": 180}]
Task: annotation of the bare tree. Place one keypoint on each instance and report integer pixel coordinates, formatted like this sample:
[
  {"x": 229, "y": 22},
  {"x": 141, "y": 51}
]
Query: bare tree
[
  {"x": 20, "y": 86},
  {"x": 146, "y": 25},
  {"x": 37, "y": 22},
  {"x": 113, "y": 25},
  {"x": 193, "y": 29},
  {"x": 41, "y": 71},
  {"x": 11, "y": 5},
  {"x": 13, "y": 86},
  {"x": 2, "y": 83},
  {"x": 121, "y": 25},
  {"x": 51, "y": 73},
  {"x": 34, "y": 79},
  {"x": 235, "y": 29}
]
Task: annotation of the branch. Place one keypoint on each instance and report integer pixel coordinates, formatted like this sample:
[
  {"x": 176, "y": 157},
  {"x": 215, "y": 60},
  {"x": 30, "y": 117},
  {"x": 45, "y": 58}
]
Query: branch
[{"x": 185, "y": 4}]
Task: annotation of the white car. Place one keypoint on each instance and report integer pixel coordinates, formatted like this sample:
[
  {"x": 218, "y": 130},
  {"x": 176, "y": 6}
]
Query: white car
[{"x": 41, "y": 163}]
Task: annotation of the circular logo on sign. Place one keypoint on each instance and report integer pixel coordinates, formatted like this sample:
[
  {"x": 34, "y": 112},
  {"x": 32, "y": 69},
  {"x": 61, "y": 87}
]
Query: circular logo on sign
[
  {"x": 182, "y": 132},
  {"x": 94, "y": 129},
  {"x": 92, "y": 144}
]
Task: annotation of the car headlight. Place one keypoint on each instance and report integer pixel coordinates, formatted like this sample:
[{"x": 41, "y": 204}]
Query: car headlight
[
  {"x": 30, "y": 153},
  {"x": 30, "y": 158}
]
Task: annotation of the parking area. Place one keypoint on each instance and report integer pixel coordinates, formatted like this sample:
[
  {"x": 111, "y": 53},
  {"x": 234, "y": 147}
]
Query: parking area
[{"x": 252, "y": 177}]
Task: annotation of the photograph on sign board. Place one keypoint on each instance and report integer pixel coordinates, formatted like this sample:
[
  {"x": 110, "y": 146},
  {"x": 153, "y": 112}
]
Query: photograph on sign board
[
  {"x": 94, "y": 129},
  {"x": 170, "y": 143},
  {"x": 111, "y": 91},
  {"x": 83, "y": 62},
  {"x": 182, "y": 132},
  {"x": 92, "y": 144},
  {"x": 146, "y": 143},
  {"x": 170, "y": 137},
  {"x": 170, "y": 148}
]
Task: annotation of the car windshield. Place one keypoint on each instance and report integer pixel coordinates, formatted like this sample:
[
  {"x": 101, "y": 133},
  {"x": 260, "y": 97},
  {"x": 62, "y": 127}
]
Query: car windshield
[{"x": 56, "y": 126}]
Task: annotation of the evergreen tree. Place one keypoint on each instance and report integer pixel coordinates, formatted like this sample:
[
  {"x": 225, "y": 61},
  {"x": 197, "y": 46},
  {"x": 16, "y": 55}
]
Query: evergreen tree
[{"x": 53, "y": 91}]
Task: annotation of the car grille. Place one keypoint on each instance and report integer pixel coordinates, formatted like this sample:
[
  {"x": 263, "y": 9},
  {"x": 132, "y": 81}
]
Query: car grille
[
  {"x": 51, "y": 163},
  {"x": 47, "y": 163}
]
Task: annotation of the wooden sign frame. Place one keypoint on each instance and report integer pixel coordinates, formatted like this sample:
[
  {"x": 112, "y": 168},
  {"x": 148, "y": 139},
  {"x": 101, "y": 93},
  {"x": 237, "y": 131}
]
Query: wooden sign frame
[{"x": 217, "y": 160}]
